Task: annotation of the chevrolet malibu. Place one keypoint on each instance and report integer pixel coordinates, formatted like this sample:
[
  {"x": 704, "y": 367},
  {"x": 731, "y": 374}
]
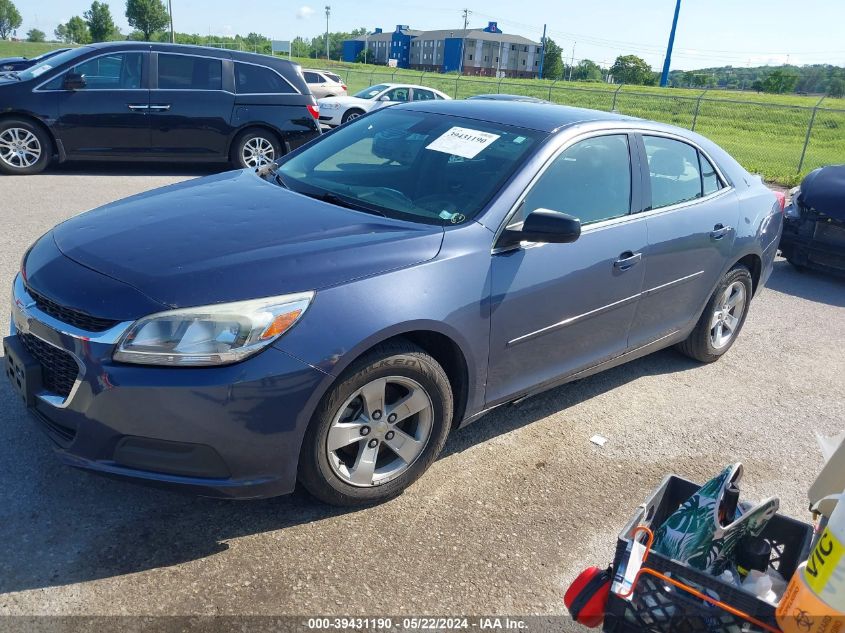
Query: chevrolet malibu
[{"x": 328, "y": 319}]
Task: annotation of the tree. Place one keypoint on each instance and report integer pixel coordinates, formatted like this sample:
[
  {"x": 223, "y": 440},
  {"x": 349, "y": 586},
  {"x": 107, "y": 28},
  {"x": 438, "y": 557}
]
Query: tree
[
  {"x": 836, "y": 88},
  {"x": 99, "y": 21},
  {"x": 552, "y": 60},
  {"x": 148, "y": 16},
  {"x": 587, "y": 70},
  {"x": 35, "y": 35},
  {"x": 630, "y": 69},
  {"x": 74, "y": 31},
  {"x": 780, "y": 81},
  {"x": 10, "y": 19}
]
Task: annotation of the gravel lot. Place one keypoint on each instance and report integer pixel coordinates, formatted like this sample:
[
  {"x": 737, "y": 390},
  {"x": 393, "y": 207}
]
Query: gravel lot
[{"x": 517, "y": 505}]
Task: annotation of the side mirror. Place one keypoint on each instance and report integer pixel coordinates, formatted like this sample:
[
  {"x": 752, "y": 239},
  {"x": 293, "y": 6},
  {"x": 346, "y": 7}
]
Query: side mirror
[
  {"x": 544, "y": 226},
  {"x": 74, "y": 81},
  {"x": 384, "y": 98}
]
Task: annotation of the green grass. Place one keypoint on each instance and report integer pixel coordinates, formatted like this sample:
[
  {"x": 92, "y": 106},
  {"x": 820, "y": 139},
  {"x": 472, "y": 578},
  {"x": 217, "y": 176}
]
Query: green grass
[{"x": 763, "y": 132}]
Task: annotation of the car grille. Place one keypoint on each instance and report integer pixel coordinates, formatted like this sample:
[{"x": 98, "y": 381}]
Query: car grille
[
  {"x": 59, "y": 369},
  {"x": 830, "y": 233},
  {"x": 70, "y": 316}
]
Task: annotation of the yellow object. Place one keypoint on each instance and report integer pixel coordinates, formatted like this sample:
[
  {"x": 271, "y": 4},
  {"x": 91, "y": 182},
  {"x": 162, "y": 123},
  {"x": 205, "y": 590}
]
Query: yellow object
[
  {"x": 820, "y": 573},
  {"x": 802, "y": 611}
]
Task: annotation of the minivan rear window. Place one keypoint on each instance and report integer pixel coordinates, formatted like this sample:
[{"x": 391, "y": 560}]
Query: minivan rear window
[{"x": 252, "y": 79}]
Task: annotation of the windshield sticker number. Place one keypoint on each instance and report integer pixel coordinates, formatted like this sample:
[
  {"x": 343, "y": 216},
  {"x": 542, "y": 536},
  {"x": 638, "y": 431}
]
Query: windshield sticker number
[
  {"x": 462, "y": 141},
  {"x": 40, "y": 70}
]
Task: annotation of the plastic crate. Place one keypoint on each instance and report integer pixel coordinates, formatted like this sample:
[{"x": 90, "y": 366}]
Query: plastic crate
[{"x": 660, "y": 608}]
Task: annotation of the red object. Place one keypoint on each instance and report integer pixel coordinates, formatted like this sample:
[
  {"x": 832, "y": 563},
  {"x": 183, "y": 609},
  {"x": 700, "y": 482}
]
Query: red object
[
  {"x": 781, "y": 199},
  {"x": 344, "y": 86},
  {"x": 586, "y": 597},
  {"x": 314, "y": 110}
]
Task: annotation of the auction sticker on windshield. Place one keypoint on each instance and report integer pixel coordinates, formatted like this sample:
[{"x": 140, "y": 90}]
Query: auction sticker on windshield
[{"x": 462, "y": 141}]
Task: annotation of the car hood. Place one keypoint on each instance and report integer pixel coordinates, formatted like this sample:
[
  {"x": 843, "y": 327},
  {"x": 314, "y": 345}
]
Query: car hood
[
  {"x": 235, "y": 236},
  {"x": 823, "y": 190}
]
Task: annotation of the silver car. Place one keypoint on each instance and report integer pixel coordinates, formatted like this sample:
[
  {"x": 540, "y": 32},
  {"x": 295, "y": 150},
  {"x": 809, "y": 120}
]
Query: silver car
[{"x": 324, "y": 84}]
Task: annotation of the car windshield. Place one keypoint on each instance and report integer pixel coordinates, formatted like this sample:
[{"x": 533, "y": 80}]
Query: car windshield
[
  {"x": 55, "y": 61},
  {"x": 372, "y": 91},
  {"x": 418, "y": 166}
]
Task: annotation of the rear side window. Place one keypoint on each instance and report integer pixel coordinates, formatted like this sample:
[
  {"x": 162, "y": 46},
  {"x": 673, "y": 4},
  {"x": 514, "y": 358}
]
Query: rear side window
[
  {"x": 334, "y": 78},
  {"x": 710, "y": 182},
  {"x": 312, "y": 78},
  {"x": 251, "y": 79},
  {"x": 423, "y": 95},
  {"x": 674, "y": 171},
  {"x": 186, "y": 72}
]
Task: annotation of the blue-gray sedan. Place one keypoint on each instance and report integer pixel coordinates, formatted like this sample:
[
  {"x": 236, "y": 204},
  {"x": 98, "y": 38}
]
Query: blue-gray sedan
[{"x": 330, "y": 319}]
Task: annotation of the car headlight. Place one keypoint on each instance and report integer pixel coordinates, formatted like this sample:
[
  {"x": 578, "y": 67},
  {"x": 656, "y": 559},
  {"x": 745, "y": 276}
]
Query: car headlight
[{"x": 211, "y": 335}]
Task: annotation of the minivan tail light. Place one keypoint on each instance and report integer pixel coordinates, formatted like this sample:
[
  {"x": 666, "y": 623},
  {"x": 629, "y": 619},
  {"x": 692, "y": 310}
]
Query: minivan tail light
[
  {"x": 781, "y": 197},
  {"x": 314, "y": 110}
]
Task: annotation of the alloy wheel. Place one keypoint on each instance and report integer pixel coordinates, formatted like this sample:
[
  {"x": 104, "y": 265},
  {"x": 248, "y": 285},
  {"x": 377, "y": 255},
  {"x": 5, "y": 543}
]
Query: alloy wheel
[
  {"x": 258, "y": 151},
  {"x": 727, "y": 315},
  {"x": 19, "y": 148},
  {"x": 380, "y": 431},
  {"x": 352, "y": 116}
]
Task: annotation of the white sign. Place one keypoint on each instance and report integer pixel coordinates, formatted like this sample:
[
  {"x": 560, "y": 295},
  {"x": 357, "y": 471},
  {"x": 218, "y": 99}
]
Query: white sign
[
  {"x": 281, "y": 46},
  {"x": 462, "y": 141},
  {"x": 393, "y": 63}
]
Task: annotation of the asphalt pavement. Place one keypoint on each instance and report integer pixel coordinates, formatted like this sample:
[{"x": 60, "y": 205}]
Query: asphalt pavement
[{"x": 517, "y": 505}]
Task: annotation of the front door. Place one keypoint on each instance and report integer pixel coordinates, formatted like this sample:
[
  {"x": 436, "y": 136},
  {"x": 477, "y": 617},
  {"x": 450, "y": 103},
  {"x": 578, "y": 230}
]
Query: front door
[
  {"x": 109, "y": 115},
  {"x": 691, "y": 230},
  {"x": 560, "y": 308},
  {"x": 190, "y": 112}
]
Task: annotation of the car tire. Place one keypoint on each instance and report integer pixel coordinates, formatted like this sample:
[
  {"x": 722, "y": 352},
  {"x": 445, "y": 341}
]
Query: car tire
[
  {"x": 25, "y": 148},
  {"x": 255, "y": 147},
  {"x": 348, "y": 457},
  {"x": 722, "y": 320},
  {"x": 351, "y": 115}
]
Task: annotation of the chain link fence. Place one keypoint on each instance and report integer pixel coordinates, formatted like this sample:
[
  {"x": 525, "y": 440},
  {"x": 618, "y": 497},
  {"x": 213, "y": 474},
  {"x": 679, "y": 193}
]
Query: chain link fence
[{"x": 781, "y": 142}]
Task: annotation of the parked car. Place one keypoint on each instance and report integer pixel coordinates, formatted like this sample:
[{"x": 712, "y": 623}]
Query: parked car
[
  {"x": 507, "y": 97},
  {"x": 142, "y": 101},
  {"x": 323, "y": 83},
  {"x": 814, "y": 228},
  {"x": 21, "y": 63},
  {"x": 336, "y": 111},
  {"x": 330, "y": 318}
]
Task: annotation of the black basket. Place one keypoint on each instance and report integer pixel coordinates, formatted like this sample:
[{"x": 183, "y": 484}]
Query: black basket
[{"x": 659, "y": 607}]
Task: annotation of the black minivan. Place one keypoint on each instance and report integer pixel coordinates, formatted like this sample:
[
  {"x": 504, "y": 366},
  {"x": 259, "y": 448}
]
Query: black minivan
[{"x": 143, "y": 101}]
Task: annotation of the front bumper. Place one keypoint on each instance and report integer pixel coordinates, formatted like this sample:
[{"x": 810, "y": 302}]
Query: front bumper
[
  {"x": 232, "y": 431},
  {"x": 815, "y": 244}
]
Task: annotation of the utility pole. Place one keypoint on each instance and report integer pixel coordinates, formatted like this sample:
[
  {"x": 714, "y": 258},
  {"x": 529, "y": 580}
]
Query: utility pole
[
  {"x": 572, "y": 61},
  {"x": 366, "y": 45},
  {"x": 542, "y": 52},
  {"x": 328, "y": 13},
  {"x": 664, "y": 78},
  {"x": 170, "y": 11},
  {"x": 467, "y": 13}
]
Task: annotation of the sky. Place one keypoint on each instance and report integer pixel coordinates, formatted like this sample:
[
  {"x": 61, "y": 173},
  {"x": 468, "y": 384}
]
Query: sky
[{"x": 710, "y": 32}]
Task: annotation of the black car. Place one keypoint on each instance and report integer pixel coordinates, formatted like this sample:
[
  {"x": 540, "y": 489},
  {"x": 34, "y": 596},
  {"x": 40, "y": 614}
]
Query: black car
[
  {"x": 22, "y": 63},
  {"x": 814, "y": 226},
  {"x": 142, "y": 101}
]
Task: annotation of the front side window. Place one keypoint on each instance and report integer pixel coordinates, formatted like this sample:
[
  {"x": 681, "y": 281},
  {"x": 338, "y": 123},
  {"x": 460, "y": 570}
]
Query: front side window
[
  {"x": 430, "y": 168},
  {"x": 674, "y": 171},
  {"x": 398, "y": 94},
  {"x": 111, "y": 72},
  {"x": 251, "y": 79},
  {"x": 590, "y": 181},
  {"x": 186, "y": 72}
]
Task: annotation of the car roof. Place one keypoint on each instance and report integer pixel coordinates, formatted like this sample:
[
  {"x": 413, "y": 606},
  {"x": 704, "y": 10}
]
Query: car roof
[
  {"x": 224, "y": 53},
  {"x": 538, "y": 116}
]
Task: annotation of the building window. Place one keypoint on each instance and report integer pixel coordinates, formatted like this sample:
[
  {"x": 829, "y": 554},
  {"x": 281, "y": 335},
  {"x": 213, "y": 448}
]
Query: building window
[
  {"x": 497, "y": 60},
  {"x": 523, "y": 62},
  {"x": 486, "y": 58},
  {"x": 470, "y": 57},
  {"x": 526, "y": 49},
  {"x": 513, "y": 47}
]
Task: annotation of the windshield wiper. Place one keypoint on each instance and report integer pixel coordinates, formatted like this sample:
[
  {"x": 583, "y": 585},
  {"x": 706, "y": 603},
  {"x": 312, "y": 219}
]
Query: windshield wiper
[{"x": 343, "y": 201}]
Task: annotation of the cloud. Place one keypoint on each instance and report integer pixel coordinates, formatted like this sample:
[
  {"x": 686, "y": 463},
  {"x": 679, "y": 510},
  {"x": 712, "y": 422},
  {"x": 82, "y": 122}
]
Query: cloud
[{"x": 304, "y": 12}]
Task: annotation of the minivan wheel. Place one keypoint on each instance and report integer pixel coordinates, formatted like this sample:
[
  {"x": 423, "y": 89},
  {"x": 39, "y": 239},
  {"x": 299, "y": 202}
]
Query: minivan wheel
[
  {"x": 254, "y": 148},
  {"x": 722, "y": 319},
  {"x": 24, "y": 148},
  {"x": 351, "y": 115},
  {"x": 379, "y": 428}
]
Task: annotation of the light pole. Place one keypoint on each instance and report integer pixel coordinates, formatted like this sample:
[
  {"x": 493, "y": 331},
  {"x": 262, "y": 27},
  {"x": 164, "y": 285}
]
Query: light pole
[
  {"x": 664, "y": 78},
  {"x": 328, "y": 13},
  {"x": 366, "y": 46},
  {"x": 170, "y": 11}
]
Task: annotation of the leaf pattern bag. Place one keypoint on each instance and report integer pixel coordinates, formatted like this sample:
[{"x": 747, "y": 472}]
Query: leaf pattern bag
[{"x": 693, "y": 534}]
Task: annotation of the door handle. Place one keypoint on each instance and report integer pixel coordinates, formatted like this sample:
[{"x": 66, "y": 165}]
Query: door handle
[
  {"x": 138, "y": 106},
  {"x": 627, "y": 260},
  {"x": 160, "y": 107},
  {"x": 719, "y": 231}
]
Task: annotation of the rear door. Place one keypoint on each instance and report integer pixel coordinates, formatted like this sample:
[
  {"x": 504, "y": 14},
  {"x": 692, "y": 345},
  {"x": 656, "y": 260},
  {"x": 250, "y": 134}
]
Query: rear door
[
  {"x": 109, "y": 116},
  {"x": 692, "y": 224},
  {"x": 191, "y": 105}
]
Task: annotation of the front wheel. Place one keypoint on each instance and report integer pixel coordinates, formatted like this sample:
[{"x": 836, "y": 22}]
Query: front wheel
[
  {"x": 24, "y": 148},
  {"x": 378, "y": 429},
  {"x": 723, "y": 318},
  {"x": 351, "y": 115},
  {"x": 255, "y": 148}
]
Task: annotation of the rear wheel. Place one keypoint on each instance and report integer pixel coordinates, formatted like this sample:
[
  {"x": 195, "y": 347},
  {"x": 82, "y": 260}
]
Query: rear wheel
[
  {"x": 255, "y": 148},
  {"x": 24, "y": 147},
  {"x": 722, "y": 319},
  {"x": 378, "y": 429},
  {"x": 351, "y": 115}
]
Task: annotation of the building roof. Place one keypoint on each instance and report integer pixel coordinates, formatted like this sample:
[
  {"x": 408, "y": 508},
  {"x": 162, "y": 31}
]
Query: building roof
[
  {"x": 385, "y": 37},
  {"x": 442, "y": 34}
]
